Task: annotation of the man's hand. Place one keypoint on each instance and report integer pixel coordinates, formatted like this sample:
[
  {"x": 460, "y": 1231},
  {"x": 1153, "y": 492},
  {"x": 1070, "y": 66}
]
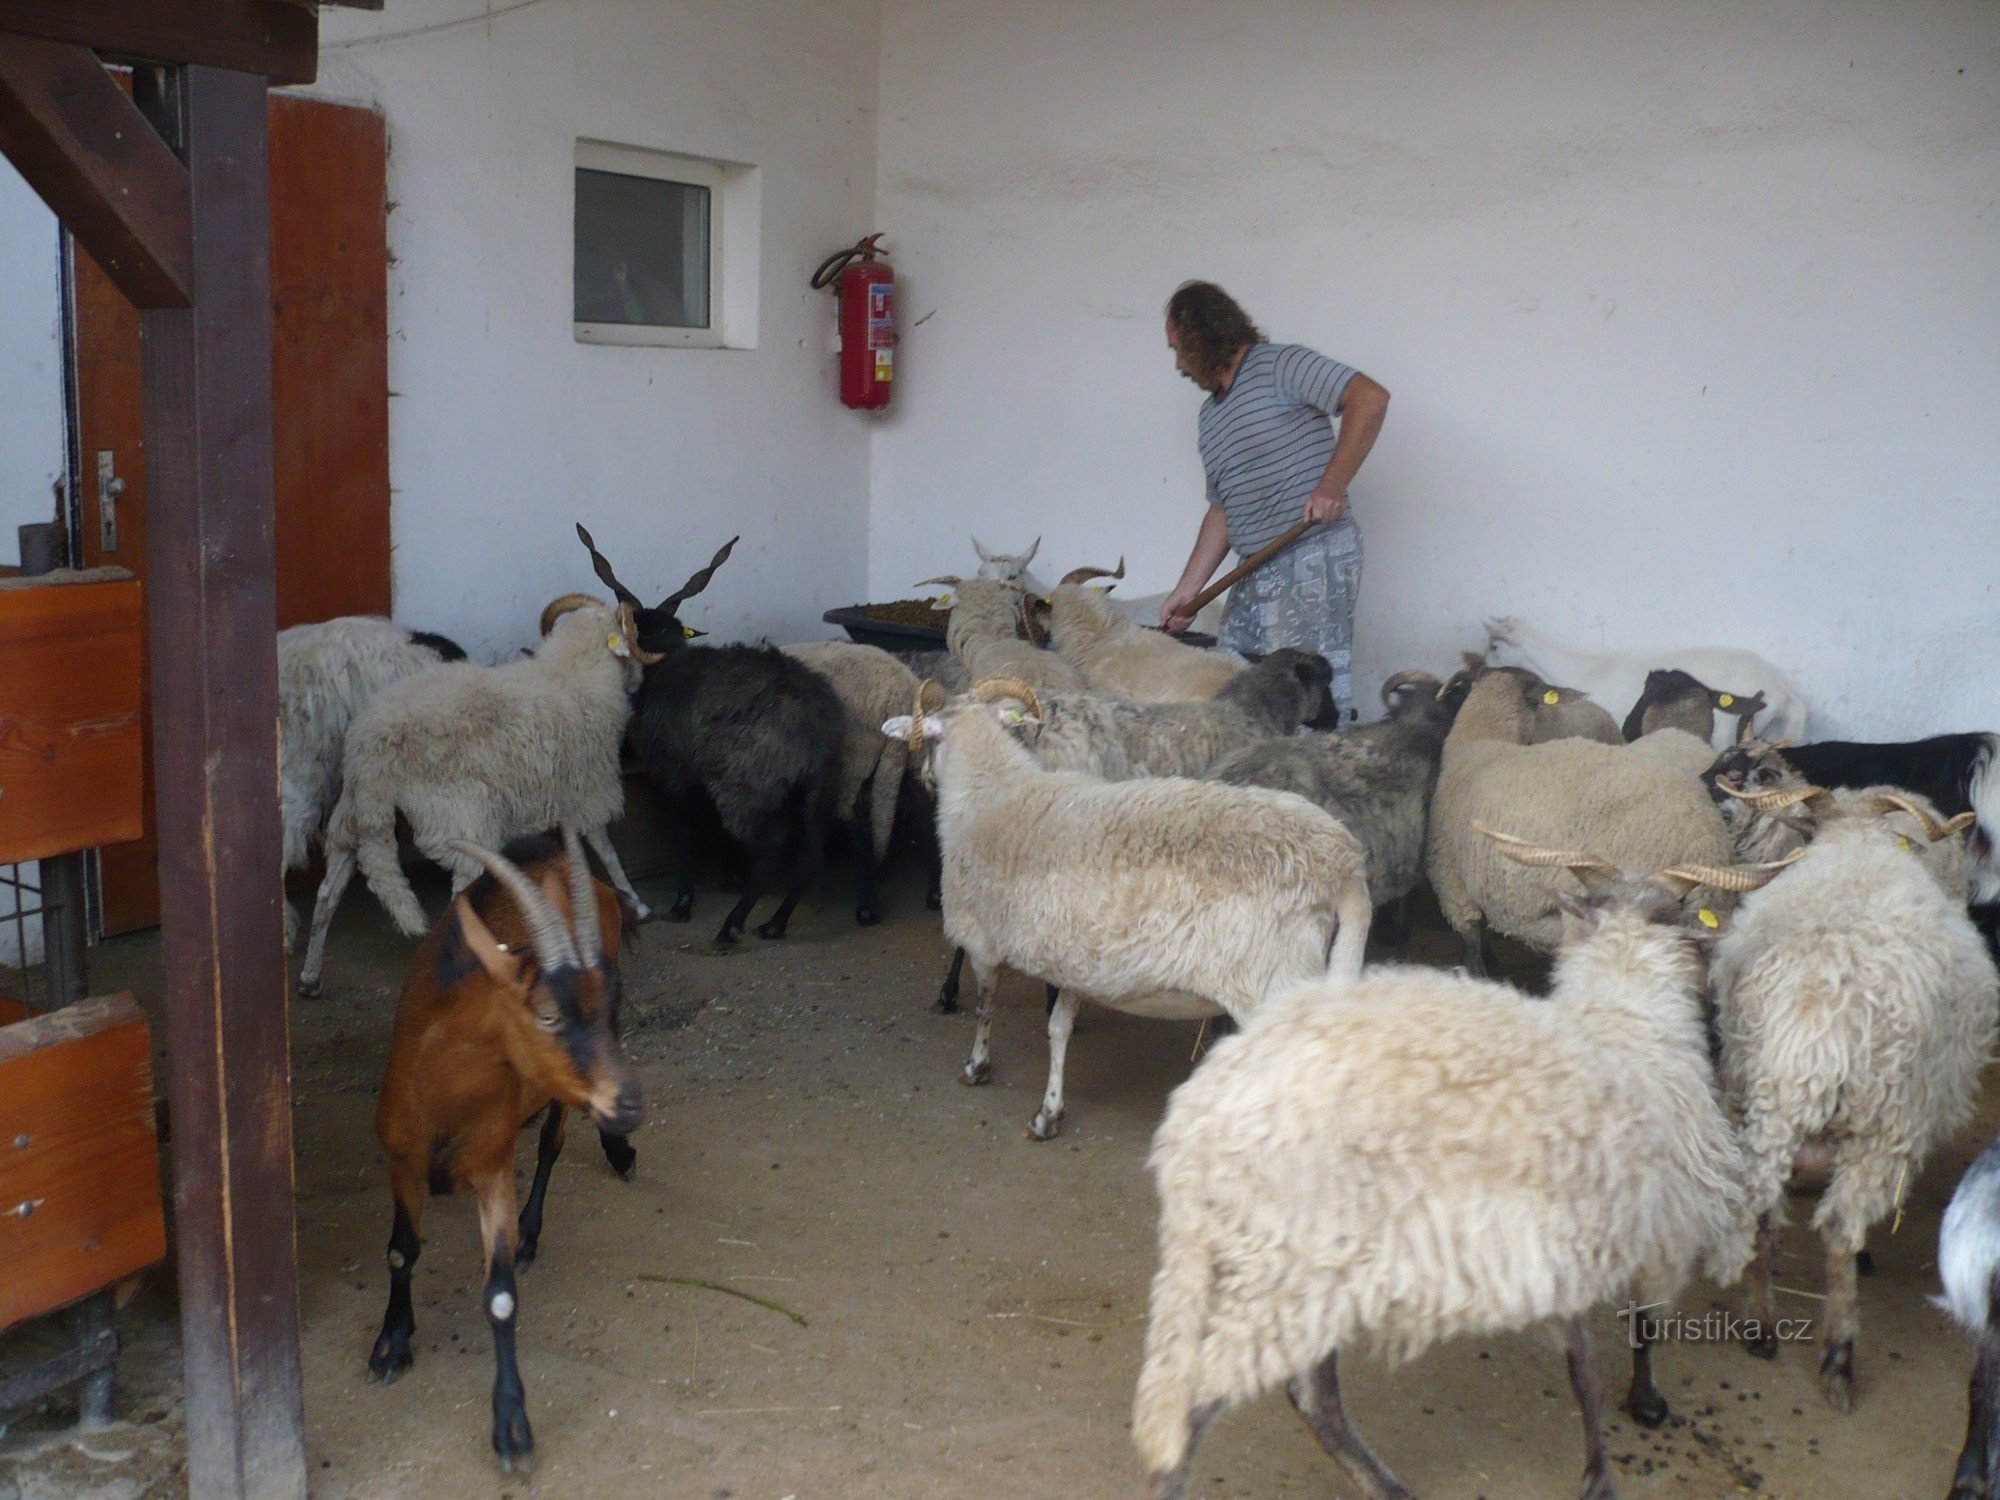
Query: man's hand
[
  {"x": 1175, "y": 613},
  {"x": 1326, "y": 506}
]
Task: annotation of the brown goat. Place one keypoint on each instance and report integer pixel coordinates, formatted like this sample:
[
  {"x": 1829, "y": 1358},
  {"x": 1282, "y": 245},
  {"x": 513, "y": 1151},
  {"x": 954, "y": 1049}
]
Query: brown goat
[{"x": 510, "y": 1008}]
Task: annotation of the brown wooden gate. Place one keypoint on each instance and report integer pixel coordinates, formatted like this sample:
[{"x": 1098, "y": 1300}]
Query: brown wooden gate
[{"x": 330, "y": 398}]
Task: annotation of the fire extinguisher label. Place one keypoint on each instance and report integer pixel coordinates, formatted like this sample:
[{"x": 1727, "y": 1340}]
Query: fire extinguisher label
[{"x": 885, "y": 364}]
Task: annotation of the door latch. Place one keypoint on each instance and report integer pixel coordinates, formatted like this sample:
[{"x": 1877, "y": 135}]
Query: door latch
[{"x": 109, "y": 488}]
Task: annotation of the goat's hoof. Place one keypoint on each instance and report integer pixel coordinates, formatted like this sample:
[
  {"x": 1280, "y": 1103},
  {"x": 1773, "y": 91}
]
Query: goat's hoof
[
  {"x": 513, "y": 1438},
  {"x": 1762, "y": 1343},
  {"x": 1045, "y": 1126},
  {"x": 867, "y": 916},
  {"x": 945, "y": 1005},
  {"x": 977, "y": 1073},
  {"x": 620, "y": 1153},
  {"x": 308, "y": 989},
  {"x": 1836, "y": 1375},
  {"x": 727, "y": 938},
  {"x": 771, "y": 930},
  {"x": 641, "y": 912},
  {"x": 526, "y": 1250},
  {"x": 1648, "y": 1408},
  {"x": 390, "y": 1357}
]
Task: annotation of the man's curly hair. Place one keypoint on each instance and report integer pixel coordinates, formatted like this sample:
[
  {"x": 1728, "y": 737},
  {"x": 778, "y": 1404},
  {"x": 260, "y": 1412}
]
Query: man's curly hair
[{"x": 1211, "y": 326}]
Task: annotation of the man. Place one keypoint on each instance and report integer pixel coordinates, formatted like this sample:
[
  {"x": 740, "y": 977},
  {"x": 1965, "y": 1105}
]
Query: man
[{"x": 1273, "y": 457}]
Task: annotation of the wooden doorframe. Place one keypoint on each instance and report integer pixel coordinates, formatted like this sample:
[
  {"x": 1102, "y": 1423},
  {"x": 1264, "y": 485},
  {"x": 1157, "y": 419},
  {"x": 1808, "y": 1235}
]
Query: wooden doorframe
[{"x": 136, "y": 183}]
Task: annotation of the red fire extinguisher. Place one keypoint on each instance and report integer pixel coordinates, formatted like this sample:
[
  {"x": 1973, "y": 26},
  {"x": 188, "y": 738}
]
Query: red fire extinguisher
[{"x": 865, "y": 284}]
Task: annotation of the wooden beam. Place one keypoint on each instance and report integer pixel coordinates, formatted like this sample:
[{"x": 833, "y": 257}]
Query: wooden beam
[
  {"x": 70, "y": 131},
  {"x": 212, "y": 608},
  {"x": 280, "y": 42}
]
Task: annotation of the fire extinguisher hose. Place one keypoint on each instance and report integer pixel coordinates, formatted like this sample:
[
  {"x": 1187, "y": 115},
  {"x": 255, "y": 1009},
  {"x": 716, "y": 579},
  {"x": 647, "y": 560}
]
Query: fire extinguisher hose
[{"x": 830, "y": 268}]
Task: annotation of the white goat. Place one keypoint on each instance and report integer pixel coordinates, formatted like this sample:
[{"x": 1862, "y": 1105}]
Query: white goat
[
  {"x": 1616, "y": 679},
  {"x": 482, "y": 755},
  {"x": 1160, "y": 896},
  {"x": 327, "y": 673},
  {"x": 1115, "y": 655},
  {"x": 1140, "y": 609},
  {"x": 1423, "y": 1156},
  {"x": 1857, "y": 1006}
]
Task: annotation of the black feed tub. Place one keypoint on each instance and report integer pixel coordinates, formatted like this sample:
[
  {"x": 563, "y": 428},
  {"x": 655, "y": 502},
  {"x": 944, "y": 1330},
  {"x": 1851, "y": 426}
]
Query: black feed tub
[{"x": 865, "y": 629}]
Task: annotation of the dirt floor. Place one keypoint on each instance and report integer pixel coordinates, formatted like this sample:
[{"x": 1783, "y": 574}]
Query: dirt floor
[{"x": 958, "y": 1310}]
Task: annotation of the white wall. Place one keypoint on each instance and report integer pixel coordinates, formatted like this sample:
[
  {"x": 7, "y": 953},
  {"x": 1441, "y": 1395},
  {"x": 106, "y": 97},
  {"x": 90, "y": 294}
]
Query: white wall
[
  {"x": 31, "y": 415},
  {"x": 503, "y": 429},
  {"x": 1690, "y": 311}
]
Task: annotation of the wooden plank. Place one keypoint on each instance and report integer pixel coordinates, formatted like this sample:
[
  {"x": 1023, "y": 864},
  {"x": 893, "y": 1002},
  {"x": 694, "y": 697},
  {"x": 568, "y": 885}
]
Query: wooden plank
[
  {"x": 280, "y": 42},
  {"x": 69, "y": 718},
  {"x": 330, "y": 358},
  {"x": 78, "y": 1153},
  {"x": 73, "y": 135},
  {"x": 211, "y": 613}
]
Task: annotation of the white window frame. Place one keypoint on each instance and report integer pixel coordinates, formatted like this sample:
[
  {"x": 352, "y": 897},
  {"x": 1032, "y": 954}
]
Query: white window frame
[{"x": 734, "y": 225}]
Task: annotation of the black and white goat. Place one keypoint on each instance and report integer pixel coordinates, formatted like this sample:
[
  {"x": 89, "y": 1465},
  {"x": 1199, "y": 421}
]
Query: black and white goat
[
  {"x": 1969, "y": 1265},
  {"x": 744, "y": 729},
  {"x": 1955, "y": 772}
]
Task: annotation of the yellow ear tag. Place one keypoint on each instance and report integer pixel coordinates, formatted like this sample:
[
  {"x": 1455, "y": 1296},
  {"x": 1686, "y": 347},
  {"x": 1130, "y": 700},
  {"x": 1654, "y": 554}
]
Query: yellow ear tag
[
  {"x": 1708, "y": 919},
  {"x": 1552, "y": 697},
  {"x": 687, "y": 632},
  {"x": 1903, "y": 842},
  {"x": 1727, "y": 700},
  {"x": 614, "y": 642}
]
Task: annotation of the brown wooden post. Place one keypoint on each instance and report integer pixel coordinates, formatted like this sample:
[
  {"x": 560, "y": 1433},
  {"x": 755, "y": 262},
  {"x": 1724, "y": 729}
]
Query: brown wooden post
[{"x": 212, "y": 612}]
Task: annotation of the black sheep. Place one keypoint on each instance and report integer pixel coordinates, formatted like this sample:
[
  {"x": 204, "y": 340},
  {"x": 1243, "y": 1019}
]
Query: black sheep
[{"x": 742, "y": 729}]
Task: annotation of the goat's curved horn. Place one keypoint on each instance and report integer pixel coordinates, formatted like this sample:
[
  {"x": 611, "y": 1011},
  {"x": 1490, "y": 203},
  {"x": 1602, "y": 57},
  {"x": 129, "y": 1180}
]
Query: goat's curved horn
[
  {"x": 1524, "y": 853},
  {"x": 1774, "y": 799},
  {"x": 628, "y": 626},
  {"x": 546, "y": 933},
  {"x": 1885, "y": 802},
  {"x": 609, "y": 578},
  {"x": 992, "y": 689},
  {"x": 561, "y": 605},
  {"x": 1411, "y": 678},
  {"x": 583, "y": 919},
  {"x": 1680, "y": 879},
  {"x": 1084, "y": 575},
  {"x": 943, "y": 580}
]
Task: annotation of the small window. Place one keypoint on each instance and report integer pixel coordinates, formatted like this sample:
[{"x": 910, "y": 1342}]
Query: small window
[{"x": 665, "y": 248}]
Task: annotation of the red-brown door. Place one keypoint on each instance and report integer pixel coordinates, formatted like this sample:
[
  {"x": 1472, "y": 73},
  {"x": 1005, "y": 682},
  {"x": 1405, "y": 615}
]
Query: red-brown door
[{"x": 330, "y": 402}]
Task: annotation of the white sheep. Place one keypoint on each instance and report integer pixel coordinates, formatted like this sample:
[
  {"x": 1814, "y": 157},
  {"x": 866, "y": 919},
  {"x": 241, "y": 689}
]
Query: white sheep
[
  {"x": 1857, "y": 1006},
  {"x": 1423, "y": 1156},
  {"x": 1160, "y": 896},
  {"x": 872, "y": 686},
  {"x": 984, "y": 636},
  {"x": 1115, "y": 655},
  {"x": 1631, "y": 802},
  {"x": 1616, "y": 679},
  {"x": 327, "y": 673},
  {"x": 482, "y": 755}
]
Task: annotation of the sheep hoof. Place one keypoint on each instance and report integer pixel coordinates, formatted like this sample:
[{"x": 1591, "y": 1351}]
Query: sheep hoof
[
  {"x": 976, "y": 1073},
  {"x": 308, "y": 989},
  {"x": 945, "y": 1005},
  {"x": 526, "y": 1251},
  {"x": 771, "y": 930},
  {"x": 1836, "y": 1375},
  {"x": 1649, "y": 1409},
  {"x": 391, "y": 1356},
  {"x": 867, "y": 916},
  {"x": 1599, "y": 1487},
  {"x": 1045, "y": 1126}
]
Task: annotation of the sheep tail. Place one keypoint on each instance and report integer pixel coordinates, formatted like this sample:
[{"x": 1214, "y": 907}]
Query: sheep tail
[
  {"x": 1353, "y": 909},
  {"x": 883, "y": 792},
  {"x": 1163, "y": 1407},
  {"x": 365, "y": 820}
]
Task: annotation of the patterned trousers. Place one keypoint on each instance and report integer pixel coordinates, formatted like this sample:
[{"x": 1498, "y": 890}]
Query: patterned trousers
[{"x": 1303, "y": 597}]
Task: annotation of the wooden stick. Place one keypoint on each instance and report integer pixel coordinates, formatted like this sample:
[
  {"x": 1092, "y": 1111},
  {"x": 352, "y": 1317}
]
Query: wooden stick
[{"x": 1248, "y": 566}]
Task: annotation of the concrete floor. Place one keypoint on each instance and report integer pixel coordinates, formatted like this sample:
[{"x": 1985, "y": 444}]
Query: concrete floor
[{"x": 970, "y": 1303}]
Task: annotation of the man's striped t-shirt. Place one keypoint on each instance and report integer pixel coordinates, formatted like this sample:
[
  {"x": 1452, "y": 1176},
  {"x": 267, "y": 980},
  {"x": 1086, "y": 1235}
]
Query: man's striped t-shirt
[{"x": 1265, "y": 441}]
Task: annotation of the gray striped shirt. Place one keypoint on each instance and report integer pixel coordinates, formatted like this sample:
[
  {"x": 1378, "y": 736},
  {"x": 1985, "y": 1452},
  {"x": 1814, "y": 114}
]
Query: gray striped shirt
[{"x": 1265, "y": 442}]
